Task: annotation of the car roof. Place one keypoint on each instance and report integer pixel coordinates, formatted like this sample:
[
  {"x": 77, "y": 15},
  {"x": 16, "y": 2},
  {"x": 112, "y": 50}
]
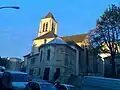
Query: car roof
[
  {"x": 40, "y": 81},
  {"x": 15, "y": 72}
]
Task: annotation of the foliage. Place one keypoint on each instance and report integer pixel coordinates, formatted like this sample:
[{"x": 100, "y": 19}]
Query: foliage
[
  {"x": 4, "y": 62},
  {"x": 107, "y": 33}
]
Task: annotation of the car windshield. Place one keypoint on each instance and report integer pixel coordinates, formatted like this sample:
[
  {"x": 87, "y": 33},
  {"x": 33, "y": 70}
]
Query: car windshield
[{"x": 19, "y": 77}]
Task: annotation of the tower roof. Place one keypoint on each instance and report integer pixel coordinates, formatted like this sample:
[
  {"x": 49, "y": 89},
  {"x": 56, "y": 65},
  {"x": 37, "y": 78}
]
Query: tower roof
[{"x": 50, "y": 15}]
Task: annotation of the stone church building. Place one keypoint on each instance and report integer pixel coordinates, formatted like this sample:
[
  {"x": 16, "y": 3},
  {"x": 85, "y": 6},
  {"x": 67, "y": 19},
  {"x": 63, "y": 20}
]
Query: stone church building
[{"x": 53, "y": 57}]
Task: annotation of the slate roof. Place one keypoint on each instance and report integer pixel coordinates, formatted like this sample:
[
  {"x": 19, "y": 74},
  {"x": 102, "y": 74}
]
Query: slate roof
[
  {"x": 57, "y": 40},
  {"x": 50, "y": 15},
  {"x": 50, "y": 34},
  {"x": 75, "y": 38}
]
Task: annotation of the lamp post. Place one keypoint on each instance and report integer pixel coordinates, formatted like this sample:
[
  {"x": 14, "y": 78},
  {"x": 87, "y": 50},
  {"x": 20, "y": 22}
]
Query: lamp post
[{"x": 13, "y": 7}]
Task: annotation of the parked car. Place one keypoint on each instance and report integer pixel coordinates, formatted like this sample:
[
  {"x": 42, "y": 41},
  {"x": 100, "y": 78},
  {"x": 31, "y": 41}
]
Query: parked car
[
  {"x": 43, "y": 85},
  {"x": 19, "y": 79}
]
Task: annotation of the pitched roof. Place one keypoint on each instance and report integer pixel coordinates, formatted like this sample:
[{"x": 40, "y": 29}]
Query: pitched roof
[
  {"x": 50, "y": 34},
  {"x": 50, "y": 15},
  {"x": 57, "y": 40},
  {"x": 72, "y": 43},
  {"x": 75, "y": 38}
]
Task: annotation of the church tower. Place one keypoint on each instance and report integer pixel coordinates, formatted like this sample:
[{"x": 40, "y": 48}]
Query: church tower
[{"x": 47, "y": 24}]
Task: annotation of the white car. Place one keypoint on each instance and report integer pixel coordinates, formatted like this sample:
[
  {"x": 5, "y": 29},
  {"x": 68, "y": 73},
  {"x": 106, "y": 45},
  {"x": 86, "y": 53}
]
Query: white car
[{"x": 19, "y": 79}]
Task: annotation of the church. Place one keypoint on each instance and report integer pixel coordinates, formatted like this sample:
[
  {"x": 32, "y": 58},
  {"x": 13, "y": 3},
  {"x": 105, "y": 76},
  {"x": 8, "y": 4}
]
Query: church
[{"x": 54, "y": 57}]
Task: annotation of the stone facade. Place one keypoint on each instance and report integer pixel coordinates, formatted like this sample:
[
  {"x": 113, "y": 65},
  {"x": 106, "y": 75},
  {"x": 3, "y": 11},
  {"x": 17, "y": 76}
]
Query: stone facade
[{"x": 53, "y": 57}]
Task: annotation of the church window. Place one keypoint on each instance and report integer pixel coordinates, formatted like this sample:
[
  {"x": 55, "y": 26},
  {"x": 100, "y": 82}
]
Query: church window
[
  {"x": 46, "y": 26},
  {"x": 43, "y": 27},
  {"x": 45, "y": 41},
  {"x": 48, "y": 54},
  {"x": 53, "y": 27}
]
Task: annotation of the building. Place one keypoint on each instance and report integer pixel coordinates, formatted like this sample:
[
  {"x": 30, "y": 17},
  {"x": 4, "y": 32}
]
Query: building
[
  {"x": 14, "y": 64},
  {"x": 52, "y": 54}
]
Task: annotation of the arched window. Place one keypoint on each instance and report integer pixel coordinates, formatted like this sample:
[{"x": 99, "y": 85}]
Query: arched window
[
  {"x": 53, "y": 27},
  {"x": 43, "y": 27},
  {"x": 46, "y": 26}
]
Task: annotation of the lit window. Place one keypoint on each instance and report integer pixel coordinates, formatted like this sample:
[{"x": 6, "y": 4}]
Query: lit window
[
  {"x": 43, "y": 27},
  {"x": 46, "y": 26}
]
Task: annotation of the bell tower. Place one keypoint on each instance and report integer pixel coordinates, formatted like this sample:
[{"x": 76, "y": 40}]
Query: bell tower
[{"x": 47, "y": 24}]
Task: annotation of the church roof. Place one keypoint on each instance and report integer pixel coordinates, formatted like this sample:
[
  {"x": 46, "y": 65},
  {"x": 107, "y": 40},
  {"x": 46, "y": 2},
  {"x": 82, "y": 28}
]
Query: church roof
[
  {"x": 75, "y": 38},
  {"x": 50, "y": 15},
  {"x": 50, "y": 34},
  {"x": 57, "y": 40}
]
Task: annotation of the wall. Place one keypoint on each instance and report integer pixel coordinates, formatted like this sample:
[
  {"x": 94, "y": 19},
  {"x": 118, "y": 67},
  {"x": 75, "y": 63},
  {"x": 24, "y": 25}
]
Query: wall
[
  {"x": 37, "y": 43},
  {"x": 57, "y": 60}
]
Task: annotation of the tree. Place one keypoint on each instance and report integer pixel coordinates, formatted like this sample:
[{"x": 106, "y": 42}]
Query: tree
[
  {"x": 4, "y": 62},
  {"x": 107, "y": 33}
]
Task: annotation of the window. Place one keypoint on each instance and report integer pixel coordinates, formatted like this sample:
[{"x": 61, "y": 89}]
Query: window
[
  {"x": 48, "y": 54},
  {"x": 66, "y": 59},
  {"x": 46, "y": 26},
  {"x": 53, "y": 26},
  {"x": 45, "y": 41},
  {"x": 31, "y": 71},
  {"x": 43, "y": 27},
  {"x": 39, "y": 71},
  {"x": 33, "y": 61},
  {"x": 58, "y": 70},
  {"x": 41, "y": 55},
  {"x": 39, "y": 49},
  {"x": 20, "y": 77}
]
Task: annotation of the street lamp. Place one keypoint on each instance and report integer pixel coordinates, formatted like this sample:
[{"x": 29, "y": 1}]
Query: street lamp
[{"x": 14, "y": 7}]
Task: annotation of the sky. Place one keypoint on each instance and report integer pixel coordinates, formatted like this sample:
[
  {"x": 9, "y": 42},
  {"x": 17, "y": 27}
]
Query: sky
[{"x": 18, "y": 28}]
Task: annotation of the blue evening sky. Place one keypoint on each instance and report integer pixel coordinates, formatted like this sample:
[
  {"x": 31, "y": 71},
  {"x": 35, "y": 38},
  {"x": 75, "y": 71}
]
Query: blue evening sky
[{"x": 19, "y": 27}]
